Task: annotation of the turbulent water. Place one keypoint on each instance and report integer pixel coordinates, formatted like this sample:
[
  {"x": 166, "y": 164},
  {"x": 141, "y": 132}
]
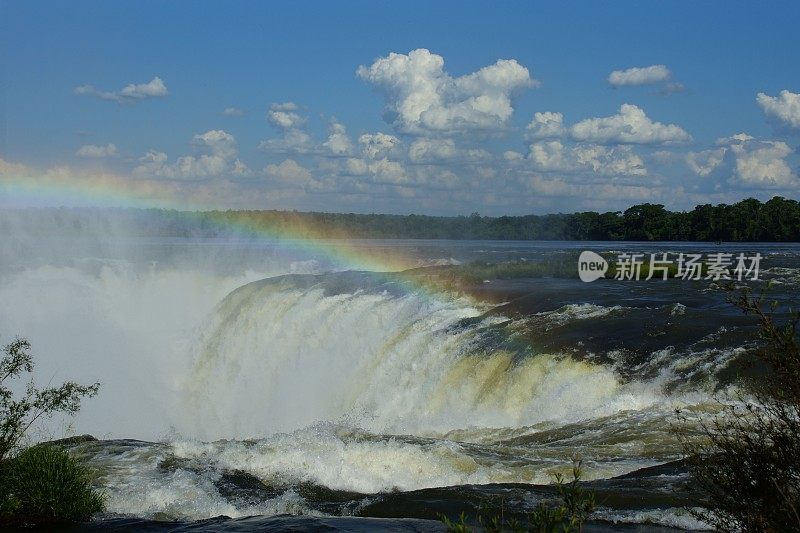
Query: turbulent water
[{"x": 257, "y": 379}]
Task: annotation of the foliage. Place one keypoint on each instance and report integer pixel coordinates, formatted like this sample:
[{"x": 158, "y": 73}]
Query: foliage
[
  {"x": 18, "y": 415},
  {"x": 44, "y": 485},
  {"x": 777, "y": 220},
  {"x": 576, "y": 506},
  {"x": 749, "y": 462},
  {"x": 456, "y": 527}
]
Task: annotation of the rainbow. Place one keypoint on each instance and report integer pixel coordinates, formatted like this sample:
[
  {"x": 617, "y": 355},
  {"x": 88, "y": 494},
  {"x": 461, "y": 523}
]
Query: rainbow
[{"x": 19, "y": 188}]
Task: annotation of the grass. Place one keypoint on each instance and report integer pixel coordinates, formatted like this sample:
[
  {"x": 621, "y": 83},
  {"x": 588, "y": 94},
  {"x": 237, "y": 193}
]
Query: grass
[{"x": 44, "y": 485}]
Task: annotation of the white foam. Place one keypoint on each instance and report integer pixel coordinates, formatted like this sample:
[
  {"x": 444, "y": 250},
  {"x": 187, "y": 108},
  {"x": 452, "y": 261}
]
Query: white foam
[
  {"x": 673, "y": 517},
  {"x": 279, "y": 359},
  {"x": 134, "y": 484},
  {"x": 583, "y": 311}
]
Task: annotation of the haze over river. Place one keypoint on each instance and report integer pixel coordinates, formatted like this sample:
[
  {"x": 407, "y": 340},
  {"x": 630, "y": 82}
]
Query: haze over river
[{"x": 264, "y": 377}]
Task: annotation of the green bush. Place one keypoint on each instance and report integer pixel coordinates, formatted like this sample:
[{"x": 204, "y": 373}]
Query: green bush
[
  {"x": 749, "y": 462},
  {"x": 44, "y": 485},
  {"x": 576, "y": 507}
]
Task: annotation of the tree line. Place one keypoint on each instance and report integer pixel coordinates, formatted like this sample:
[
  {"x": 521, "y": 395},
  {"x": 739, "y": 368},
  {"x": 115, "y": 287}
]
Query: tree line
[{"x": 777, "y": 220}]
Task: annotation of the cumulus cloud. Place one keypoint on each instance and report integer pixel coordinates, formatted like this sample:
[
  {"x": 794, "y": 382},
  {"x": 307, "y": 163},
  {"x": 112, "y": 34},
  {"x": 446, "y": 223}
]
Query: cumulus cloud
[
  {"x": 386, "y": 171},
  {"x": 150, "y": 163},
  {"x": 596, "y": 159},
  {"x": 704, "y": 162},
  {"x": 219, "y": 159},
  {"x": 338, "y": 143},
  {"x": 512, "y": 156},
  {"x": 629, "y": 126},
  {"x": 762, "y": 164},
  {"x": 375, "y": 171},
  {"x": 550, "y": 155},
  {"x": 421, "y": 96},
  {"x": 97, "y": 152},
  {"x": 426, "y": 150},
  {"x": 232, "y": 112},
  {"x": 639, "y": 76},
  {"x": 129, "y": 94},
  {"x": 733, "y": 139},
  {"x": 619, "y": 160},
  {"x": 382, "y": 171},
  {"x": 288, "y": 172},
  {"x": 377, "y": 145},
  {"x": 785, "y": 107},
  {"x": 546, "y": 125},
  {"x": 294, "y": 139},
  {"x": 284, "y": 116}
]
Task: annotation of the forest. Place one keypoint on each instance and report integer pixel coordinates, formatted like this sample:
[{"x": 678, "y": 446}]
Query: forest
[{"x": 776, "y": 220}]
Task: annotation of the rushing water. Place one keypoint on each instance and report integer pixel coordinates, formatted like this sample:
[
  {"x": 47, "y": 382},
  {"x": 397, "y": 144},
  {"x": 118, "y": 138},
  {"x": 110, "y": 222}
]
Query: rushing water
[{"x": 258, "y": 379}]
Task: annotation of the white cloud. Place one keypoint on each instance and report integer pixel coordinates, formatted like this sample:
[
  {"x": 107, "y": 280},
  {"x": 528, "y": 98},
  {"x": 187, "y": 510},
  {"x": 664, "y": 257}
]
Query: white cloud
[
  {"x": 386, "y": 171},
  {"x": 95, "y": 151},
  {"x": 546, "y": 125},
  {"x": 288, "y": 172},
  {"x": 284, "y": 106},
  {"x": 128, "y": 94},
  {"x": 383, "y": 171},
  {"x": 630, "y": 126},
  {"x": 737, "y": 138},
  {"x": 550, "y": 155},
  {"x": 601, "y": 160},
  {"x": 375, "y": 145},
  {"x": 511, "y": 155},
  {"x": 151, "y": 163},
  {"x": 672, "y": 88},
  {"x": 763, "y": 164},
  {"x": 294, "y": 140},
  {"x": 639, "y": 76},
  {"x": 426, "y": 150},
  {"x": 619, "y": 160},
  {"x": 219, "y": 159},
  {"x": 356, "y": 167},
  {"x": 785, "y": 107},
  {"x": 664, "y": 157},
  {"x": 338, "y": 142},
  {"x": 240, "y": 169},
  {"x": 219, "y": 142},
  {"x": 284, "y": 116},
  {"x": 704, "y": 162},
  {"x": 422, "y": 97},
  {"x": 154, "y": 87},
  {"x": 232, "y": 112}
]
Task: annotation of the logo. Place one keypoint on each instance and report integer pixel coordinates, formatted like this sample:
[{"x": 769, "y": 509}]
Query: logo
[{"x": 591, "y": 266}]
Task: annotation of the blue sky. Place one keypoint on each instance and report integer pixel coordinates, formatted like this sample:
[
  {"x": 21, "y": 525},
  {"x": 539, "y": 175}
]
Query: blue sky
[{"x": 131, "y": 96}]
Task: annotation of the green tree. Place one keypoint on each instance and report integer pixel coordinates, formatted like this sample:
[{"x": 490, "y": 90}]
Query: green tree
[
  {"x": 17, "y": 415},
  {"x": 43, "y": 484}
]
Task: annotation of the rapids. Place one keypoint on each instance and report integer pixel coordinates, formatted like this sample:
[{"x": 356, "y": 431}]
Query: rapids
[{"x": 262, "y": 380}]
